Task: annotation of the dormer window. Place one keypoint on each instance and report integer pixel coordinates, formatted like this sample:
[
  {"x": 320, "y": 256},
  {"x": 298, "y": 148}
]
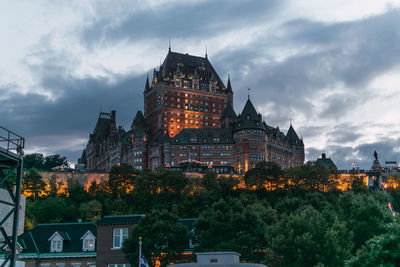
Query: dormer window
[
  {"x": 248, "y": 117},
  {"x": 56, "y": 242},
  {"x": 88, "y": 241}
]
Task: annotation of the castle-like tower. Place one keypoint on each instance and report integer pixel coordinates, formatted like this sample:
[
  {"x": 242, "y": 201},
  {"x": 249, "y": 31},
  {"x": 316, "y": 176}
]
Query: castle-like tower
[
  {"x": 189, "y": 119},
  {"x": 186, "y": 92}
]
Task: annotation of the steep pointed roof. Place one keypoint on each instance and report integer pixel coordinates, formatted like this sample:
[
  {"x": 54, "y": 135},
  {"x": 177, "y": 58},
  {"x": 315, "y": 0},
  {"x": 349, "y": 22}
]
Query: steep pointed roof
[
  {"x": 189, "y": 65},
  {"x": 104, "y": 127},
  {"x": 147, "y": 87},
  {"x": 139, "y": 120},
  {"x": 228, "y": 112},
  {"x": 249, "y": 118},
  {"x": 293, "y": 137},
  {"x": 229, "y": 86}
]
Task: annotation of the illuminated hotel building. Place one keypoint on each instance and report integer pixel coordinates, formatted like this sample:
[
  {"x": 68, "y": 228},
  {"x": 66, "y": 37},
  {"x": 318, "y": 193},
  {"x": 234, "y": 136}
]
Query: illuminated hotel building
[{"x": 189, "y": 118}]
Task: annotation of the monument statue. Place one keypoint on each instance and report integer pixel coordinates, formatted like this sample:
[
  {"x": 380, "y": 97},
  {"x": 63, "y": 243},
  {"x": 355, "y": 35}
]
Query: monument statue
[{"x": 375, "y": 155}]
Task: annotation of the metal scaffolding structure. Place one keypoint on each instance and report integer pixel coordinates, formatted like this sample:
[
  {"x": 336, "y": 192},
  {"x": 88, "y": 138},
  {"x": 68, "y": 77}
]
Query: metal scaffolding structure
[{"x": 11, "y": 171}]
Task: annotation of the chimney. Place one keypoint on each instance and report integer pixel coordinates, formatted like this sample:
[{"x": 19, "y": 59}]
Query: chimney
[
  {"x": 323, "y": 156},
  {"x": 113, "y": 112}
]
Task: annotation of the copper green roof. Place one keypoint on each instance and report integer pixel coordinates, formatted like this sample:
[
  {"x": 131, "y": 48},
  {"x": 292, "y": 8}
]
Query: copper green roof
[
  {"x": 37, "y": 241},
  {"x": 120, "y": 219}
]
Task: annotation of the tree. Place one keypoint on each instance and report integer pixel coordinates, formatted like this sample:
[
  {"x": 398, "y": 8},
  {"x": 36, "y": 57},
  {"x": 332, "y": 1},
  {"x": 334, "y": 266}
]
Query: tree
[
  {"x": 305, "y": 238},
  {"x": 264, "y": 174},
  {"x": 35, "y": 160},
  {"x": 91, "y": 211},
  {"x": 311, "y": 177},
  {"x": 163, "y": 238},
  {"x": 365, "y": 215},
  {"x": 381, "y": 250},
  {"x": 50, "y": 210},
  {"x": 227, "y": 225},
  {"x": 52, "y": 161},
  {"x": 75, "y": 191},
  {"x": 121, "y": 179},
  {"x": 54, "y": 188},
  {"x": 33, "y": 184}
]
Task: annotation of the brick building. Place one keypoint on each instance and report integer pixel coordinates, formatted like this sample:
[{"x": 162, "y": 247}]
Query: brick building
[{"x": 189, "y": 118}]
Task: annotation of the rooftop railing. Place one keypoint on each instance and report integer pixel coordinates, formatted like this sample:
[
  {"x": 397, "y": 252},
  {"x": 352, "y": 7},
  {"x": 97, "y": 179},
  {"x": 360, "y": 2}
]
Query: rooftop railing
[{"x": 11, "y": 142}]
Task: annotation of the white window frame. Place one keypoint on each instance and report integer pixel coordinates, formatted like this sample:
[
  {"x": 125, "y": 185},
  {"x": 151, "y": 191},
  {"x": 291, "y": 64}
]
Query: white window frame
[
  {"x": 119, "y": 235},
  {"x": 56, "y": 243},
  {"x": 88, "y": 239}
]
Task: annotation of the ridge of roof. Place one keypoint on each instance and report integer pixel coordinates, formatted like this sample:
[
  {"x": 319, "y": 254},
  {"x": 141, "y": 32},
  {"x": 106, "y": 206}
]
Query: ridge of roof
[{"x": 48, "y": 224}]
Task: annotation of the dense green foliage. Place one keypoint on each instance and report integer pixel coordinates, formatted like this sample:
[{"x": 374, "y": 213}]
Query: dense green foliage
[
  {"x": 39, "y": 162},
  {"x": 304, "y": 222}
]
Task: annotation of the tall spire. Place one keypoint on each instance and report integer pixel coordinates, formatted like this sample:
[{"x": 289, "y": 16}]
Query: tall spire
[
  {"x": 147, "y": 83},
  {"x": 206, "y": 52},
  {"x": 229, "y": 86},
  {"x": 169, "y": 44},
  {"x": 248, "y": 93}
]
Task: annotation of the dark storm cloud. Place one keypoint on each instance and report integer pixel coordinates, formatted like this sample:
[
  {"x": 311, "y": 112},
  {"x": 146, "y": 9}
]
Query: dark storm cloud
[
  {"x": 347, "y": 53},
  {"x": 199, "y": 21},
  {"x": 74, "y": 112}
]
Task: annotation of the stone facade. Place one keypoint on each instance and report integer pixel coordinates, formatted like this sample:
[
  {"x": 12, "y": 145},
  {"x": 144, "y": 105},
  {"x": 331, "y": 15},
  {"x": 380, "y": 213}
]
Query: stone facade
[{"x": 188, "y": 117}]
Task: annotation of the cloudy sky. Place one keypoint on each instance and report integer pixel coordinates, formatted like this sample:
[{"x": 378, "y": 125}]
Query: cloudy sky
[{"x": 333, "y": 67}]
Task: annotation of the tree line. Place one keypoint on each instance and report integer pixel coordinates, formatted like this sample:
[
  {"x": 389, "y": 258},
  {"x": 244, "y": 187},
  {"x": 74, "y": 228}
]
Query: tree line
[{"x": 293, "y": 217}]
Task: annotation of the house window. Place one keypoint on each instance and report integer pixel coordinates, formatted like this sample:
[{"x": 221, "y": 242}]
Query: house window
[
  {"x": 60, "y": 264},
  {"x": 76, "y": 264},
  {"x": 56, "y": 244},
  {"x": 119, "y": 265},
  {"x": 119, "y": 235},
  {"x": 45, "y": 265},
  {"x": 88, "y": 244}
]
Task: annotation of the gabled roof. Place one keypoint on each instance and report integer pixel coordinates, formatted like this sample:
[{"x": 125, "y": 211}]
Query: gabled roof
[
  {"x": 139, "y": 119},
  {"x": 249, "y": 119},
  {"x": 38, "y": 239},
  {"x": 292, "y": 136},
  {"x": 189, "y": 65},
  {"x": 203, "y": 136},
  {"x": 229, "y": 112},
  {"x": 120, "y": 219},
  {"x": 63, "y": 235}
]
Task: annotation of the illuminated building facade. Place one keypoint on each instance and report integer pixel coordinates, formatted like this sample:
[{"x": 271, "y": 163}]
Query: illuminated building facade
[{"x": 189, "y": 118}]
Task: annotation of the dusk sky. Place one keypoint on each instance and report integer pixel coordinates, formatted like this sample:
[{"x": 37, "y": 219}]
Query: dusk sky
[{"x": 332, "y": 67}]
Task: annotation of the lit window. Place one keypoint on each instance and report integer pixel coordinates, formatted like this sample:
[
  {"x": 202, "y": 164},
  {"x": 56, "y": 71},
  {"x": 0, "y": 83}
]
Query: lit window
[
  {"x": 119, "y": 235},
  {"x": 88, "y": 239}
]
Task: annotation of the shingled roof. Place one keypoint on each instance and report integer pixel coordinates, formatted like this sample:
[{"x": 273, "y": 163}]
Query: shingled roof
[
  {"x": 249, "y": 118},
  {"x": 292, "y": 136},
  {"x": 188, "y": 65},
  {"x": 228, "y": 112},
  {"x": 104, "y": 126},
  {"x": 37, "y": 241}
]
